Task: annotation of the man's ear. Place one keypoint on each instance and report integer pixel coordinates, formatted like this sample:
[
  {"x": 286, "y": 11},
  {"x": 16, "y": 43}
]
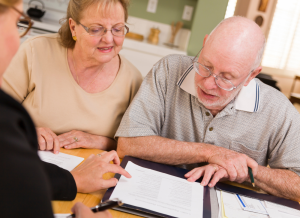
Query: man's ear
[
  {"x": 205, "y": 39},
  {"x": 253, "y": 75}
]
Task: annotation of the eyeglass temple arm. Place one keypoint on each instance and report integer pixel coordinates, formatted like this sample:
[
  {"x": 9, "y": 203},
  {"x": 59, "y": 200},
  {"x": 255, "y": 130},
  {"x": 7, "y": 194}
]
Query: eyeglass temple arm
[{"x": 197, "y": 54}]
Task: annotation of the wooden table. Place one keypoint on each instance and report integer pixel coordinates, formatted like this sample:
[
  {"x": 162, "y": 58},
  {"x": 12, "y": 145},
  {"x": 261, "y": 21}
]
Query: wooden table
[{"x": 91, "y": 199}]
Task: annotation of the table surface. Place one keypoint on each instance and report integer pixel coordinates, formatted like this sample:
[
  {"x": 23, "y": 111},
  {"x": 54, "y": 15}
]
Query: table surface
[{"x": 91, "y": 199}]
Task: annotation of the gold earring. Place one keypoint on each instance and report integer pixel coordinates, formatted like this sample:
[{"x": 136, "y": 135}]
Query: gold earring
[{"x": 74, "y": 38}]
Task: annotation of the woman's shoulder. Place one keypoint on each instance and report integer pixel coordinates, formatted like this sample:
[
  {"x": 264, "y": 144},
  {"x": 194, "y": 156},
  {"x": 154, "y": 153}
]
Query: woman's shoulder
[
  {"x": 130, "y": 69},
  {"x": 40, "y": 41}
]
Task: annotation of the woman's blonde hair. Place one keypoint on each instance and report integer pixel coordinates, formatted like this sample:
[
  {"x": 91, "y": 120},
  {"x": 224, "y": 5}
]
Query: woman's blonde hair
[
  {"x": 74, "y": 11},
  {"x": 5, "y": 4}
]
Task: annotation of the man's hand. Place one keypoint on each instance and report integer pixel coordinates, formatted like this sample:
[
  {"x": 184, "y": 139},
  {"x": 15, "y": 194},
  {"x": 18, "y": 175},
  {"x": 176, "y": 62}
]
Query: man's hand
[
  {"x": 89, "y": 175},
  {"x": 47, "y": 140},
  {"x": 79, "y": 139},
  {"x": 82, "y": 211},
  {"x": 209, "y": 171},
  {"x": 236, "y": 164}
]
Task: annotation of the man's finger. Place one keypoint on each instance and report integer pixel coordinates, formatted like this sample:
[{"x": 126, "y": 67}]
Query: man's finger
[
  {"x": 253, "y": 165},
  {"x": 187, "y": 175},
  {"x": 231, "y": 172},
  {"x": 242, "y": 171},
  {"x": 217, "y": 176},
  {"x": 209, "y": 172},
  {"x": 197, "y": 174}
]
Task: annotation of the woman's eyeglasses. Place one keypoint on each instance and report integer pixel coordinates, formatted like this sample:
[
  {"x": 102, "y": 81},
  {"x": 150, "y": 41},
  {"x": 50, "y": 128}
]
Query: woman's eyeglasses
[
  {"x": 24, "y": 23},
  {"x": 118, "y": 30}
]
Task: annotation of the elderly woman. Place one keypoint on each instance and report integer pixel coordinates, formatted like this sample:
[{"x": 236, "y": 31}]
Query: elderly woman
[
  {"x": 74, "y": 84},
  {"x": 28, "y": 184}
]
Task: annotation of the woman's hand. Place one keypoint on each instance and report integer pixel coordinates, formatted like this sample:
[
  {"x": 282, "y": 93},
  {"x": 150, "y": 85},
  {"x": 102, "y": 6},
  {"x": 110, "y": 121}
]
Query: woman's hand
[
  {"x": 79, "y": 139},
  {"x": 47, "y": 140},
  {"x": 82, "y": 211},
  {"x": 89, "y": 175},
  {"x": 208, "y": 171}
]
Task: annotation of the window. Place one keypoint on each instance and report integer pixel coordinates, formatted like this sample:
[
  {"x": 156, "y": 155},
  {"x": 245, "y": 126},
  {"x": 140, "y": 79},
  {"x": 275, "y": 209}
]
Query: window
[
  {"x": 282, "y": 52},
  {"x": 230, "y": 8}
]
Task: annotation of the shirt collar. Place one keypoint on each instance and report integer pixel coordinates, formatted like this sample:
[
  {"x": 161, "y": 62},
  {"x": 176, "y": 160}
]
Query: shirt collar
[{"x": 246, "y": 100}]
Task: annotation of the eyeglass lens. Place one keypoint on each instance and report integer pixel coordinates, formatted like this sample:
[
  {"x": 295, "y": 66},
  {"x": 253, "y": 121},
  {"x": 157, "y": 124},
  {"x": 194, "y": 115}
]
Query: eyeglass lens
[
  {"x": 221, "y": 82},
  {"x": 23, "y": 26},
  {"x": 99, "y": 30}
]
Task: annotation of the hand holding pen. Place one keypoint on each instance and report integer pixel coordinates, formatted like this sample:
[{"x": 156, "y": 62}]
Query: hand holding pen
[{"x": 100, "y": 211}]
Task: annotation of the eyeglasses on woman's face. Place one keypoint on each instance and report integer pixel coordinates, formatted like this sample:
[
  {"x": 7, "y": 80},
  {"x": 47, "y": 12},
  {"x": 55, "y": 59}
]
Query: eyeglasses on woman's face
[
  {"x": 24, "y": 23},
  {"x": 117, "y": 30}
]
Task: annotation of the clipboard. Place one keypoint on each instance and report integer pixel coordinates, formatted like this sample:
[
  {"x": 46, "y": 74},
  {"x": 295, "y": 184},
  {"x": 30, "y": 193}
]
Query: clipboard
[
  {"x": 253, "y": 194},
  {"x": 171, "y": 170}
]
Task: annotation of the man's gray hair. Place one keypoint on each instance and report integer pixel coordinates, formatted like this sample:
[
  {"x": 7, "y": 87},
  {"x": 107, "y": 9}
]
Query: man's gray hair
[{"x": 260, "y": 52}]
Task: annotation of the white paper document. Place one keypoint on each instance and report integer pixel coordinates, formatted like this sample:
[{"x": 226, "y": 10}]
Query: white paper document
[
  {"x": 233, "y": 209},
  {"x": 160, "y": 192},
  {"x": 251, "y": 204},
  {"x": 65, "y": 161},
  {"x": 61, "y": 215},
  {"x": 280, "y": 211}
]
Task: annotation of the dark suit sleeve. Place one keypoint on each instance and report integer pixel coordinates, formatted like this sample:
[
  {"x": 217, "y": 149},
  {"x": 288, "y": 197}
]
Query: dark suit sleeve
[
  {"x": 24, "y": 186},
  {"x": 62, "y": 182}
]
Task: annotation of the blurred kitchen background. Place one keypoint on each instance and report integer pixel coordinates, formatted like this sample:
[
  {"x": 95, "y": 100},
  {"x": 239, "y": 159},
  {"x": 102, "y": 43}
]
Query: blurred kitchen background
[{"x": 152, "y": 24}]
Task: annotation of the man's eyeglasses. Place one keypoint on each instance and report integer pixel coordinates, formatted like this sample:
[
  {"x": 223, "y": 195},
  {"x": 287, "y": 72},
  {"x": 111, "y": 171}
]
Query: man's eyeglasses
[
  {"x": 24, "y": 23},
  {"x": 220, "y": 81},
  {"x": 118, "y": 30}
]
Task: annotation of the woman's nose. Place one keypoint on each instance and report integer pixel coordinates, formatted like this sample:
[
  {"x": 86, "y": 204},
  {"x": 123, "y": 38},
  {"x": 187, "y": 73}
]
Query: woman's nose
[{"x": 108, "y": 37}]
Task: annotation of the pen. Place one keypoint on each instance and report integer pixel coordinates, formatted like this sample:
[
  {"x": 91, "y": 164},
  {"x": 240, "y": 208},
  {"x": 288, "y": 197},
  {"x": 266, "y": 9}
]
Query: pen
[
  {"x": 103, "y": 206},
  {"x": 251, "y": 176}
]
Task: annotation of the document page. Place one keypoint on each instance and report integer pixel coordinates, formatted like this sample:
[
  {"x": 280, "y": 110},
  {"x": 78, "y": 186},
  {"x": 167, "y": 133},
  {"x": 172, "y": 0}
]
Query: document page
[
  {"x": 65, "y": 161},
  {"x": 232, "y": 208},
  {"x": 160, "y": 192},
  {"x": 280, "y": 211},
  {"x": 61, "y": 215}
]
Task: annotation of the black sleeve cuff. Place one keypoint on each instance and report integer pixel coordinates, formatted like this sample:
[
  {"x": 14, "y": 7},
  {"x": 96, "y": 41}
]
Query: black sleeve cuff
[{"x": 62, "y": 183}]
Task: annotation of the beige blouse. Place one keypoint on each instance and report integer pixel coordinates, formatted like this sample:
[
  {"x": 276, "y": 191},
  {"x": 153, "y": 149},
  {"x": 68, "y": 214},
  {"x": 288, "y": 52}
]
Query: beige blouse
[{"x": 40, "y": 78}]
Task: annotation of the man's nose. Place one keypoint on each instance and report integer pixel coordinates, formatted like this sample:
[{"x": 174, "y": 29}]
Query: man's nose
[{"x": 210, "y": 83}]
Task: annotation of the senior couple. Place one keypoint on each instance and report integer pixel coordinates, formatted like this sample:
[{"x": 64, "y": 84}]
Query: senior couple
[{"x": 188, "y": 111}]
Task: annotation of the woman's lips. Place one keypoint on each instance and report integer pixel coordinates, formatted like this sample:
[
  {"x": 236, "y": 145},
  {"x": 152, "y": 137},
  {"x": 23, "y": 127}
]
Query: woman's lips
[{"x": 105, "y": 49}]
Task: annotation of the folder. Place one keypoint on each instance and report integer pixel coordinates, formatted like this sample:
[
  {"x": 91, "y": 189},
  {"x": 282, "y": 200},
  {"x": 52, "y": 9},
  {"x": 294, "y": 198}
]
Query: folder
[{"x": 171, "y": 170}]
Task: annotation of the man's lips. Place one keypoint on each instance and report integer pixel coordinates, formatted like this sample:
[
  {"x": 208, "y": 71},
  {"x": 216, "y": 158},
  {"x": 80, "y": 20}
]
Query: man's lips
[{"x": 206, "y": 95}]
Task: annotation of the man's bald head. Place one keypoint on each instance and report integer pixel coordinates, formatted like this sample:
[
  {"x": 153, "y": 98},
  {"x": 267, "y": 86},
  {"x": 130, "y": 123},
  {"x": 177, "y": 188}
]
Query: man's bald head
[{"x": 240, "y": 36}]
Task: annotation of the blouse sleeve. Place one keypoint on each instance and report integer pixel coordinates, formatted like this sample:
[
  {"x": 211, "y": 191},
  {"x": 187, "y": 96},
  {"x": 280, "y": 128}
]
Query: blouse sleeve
[{"x": 17, "y": 80}]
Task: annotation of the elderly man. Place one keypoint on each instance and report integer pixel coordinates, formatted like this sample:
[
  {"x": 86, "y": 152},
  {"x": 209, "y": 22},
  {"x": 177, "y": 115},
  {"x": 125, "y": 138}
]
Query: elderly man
[{"x": 211, "y": 109}]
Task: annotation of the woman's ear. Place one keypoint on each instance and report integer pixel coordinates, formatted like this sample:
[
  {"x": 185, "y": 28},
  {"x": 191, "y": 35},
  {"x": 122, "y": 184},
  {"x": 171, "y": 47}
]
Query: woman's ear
[{"x": 72, "y": 25}]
